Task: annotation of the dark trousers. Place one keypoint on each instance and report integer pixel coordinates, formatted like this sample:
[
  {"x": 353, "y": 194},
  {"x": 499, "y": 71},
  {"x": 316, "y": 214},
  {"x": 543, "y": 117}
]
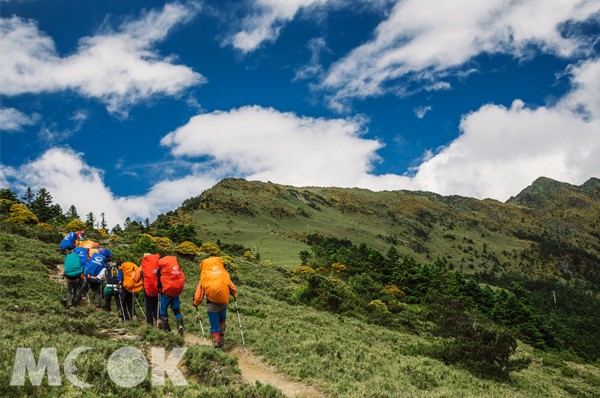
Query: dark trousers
[
  {"x": 151, "y": 308},
  {"x": 73, "y": 285},
  {"x": 127, "y": 300},
  {"x": 108, "y": 300},
  {"x": 95, "y": 287}
]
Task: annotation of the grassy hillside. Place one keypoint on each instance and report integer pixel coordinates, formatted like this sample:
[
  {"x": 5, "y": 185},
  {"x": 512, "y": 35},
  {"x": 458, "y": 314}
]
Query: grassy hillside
[
  {"x": 550, "y": 230},
  {"x": 342, "y": 356}
]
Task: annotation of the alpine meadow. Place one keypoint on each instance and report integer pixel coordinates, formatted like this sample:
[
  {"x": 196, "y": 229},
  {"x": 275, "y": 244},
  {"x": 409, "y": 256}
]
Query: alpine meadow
[{"x": 341, "y": 292}]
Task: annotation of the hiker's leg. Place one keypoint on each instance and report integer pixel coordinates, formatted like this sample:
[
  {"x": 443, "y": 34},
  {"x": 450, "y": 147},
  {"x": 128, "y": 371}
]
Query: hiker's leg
[
  {"x": 175, "y": 305},
  {"x": 215, "y": 328},
  {"x": 165, "y": 301},
  {"x": 98, "y": 294},
  {"x": 107, "y": 300},
  {"x": 83, "y": 289},
  {"x": 150, "y": 312},
  {"x": 71, "y": 289}
]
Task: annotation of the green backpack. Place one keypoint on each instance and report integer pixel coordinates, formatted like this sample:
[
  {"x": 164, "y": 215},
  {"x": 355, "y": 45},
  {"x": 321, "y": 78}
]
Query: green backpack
[{"x": 73, "y": 268}]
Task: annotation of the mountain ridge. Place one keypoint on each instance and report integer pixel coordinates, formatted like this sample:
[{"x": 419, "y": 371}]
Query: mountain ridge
[{"x": 472, "y": 235}]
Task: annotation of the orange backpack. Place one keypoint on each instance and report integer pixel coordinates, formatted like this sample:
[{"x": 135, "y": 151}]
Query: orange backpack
[
  {"x": 129, "y": 284},
  {"x": 149, "y": 270},
  {"x": 172, "y": 277},
  {"x": 215, "y": 280}
]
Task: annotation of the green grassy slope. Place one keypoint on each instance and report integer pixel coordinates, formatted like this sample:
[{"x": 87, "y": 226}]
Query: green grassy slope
[
  {"x": 341, "y": 356},
  {"x": 549, "y": 230}
]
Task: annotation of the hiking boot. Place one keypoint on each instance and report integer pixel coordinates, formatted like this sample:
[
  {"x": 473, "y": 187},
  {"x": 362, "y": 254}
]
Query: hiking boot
[
  {"x": 165, "y": 323},
  {"x": 180, "y": 326},
  {"x": 217, "y": 339}
]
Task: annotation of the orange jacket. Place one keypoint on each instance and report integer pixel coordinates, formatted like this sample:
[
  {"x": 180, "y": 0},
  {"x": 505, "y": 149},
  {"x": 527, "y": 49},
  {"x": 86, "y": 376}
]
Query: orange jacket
[{"x": 213, "y": 268}]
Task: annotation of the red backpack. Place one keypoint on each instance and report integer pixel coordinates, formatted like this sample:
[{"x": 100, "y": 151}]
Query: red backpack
[
  {"x": 172, "y": 277},
  {"x": 149, "y": 270}
]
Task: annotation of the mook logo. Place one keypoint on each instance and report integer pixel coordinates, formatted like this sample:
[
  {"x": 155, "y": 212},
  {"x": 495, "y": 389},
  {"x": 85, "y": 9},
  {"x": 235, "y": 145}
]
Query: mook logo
[{"x": 127, "y": 367}]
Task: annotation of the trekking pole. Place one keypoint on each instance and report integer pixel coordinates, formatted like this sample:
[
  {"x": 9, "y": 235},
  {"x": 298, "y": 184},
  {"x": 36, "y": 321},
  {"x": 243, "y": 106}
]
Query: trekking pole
[
  {"x": 201, "y": 325},
  {"x": 237, "y": 310},
  {"x": 120, "y": 303},
  {"x": 139, "y": 305},
  {"x": 158, "y": 320}
]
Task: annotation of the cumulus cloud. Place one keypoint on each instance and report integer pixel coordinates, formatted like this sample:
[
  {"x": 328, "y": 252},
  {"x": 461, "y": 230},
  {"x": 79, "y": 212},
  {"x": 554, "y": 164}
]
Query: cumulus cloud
[
  {"x": 424, "y": 40},
  {"x": 265, "y": 144},
  {"x": 501, "y": 150},
  {"x": 70, "y": 180},
  {"x": 14, "y": 120},
  {"x": 119, "y": 68}
]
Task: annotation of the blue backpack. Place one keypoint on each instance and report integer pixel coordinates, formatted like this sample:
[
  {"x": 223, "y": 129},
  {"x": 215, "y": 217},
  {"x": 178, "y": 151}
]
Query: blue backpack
[
  {"x": 94, "y": 265},
  {"x": 82, "y": 252},
  {"x": 68, "y": 241}
]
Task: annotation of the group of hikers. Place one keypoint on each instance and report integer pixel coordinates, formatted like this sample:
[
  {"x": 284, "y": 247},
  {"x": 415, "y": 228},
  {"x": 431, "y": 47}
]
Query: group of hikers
[{"x": 87, "y": 266}]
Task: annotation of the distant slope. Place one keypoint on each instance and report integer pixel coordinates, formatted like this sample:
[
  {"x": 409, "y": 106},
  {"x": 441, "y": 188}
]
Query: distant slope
[{"x": 549, "y": 229}]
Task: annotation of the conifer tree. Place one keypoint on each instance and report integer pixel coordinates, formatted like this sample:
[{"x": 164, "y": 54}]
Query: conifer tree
[
  {"x": 28, "y": 197},
  {"x": 72, "y": 213},
  {"x": 90, "y": 220},
  {"x": 103, "y": 224},
  {"x": 43, "y": 207}
]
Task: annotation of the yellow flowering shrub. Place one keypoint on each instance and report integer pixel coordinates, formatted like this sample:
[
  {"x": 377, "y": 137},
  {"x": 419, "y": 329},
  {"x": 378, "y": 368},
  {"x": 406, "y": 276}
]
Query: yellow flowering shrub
[{"x": 20, "y": 214}]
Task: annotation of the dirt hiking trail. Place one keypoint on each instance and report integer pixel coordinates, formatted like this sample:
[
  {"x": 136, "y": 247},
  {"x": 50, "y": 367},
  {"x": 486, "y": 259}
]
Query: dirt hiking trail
[{"x": 254, "y": 369}]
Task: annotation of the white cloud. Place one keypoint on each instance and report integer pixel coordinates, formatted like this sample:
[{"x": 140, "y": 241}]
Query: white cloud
[
  {"x": 265, "y": 144},
  {"x": 70, "y": 180},
  {"x": 425, "y": 40},
  {"x": 501, "y": 150},
  {"x": 421, "y": 111},
  {"x": 266, "y": 21},
  {"x": 14, "y": 120},
  {"x": 119, "y": 68}
]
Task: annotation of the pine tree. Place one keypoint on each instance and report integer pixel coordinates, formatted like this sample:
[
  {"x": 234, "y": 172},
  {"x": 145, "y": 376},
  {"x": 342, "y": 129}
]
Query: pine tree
[
  {"x": 43, "y": 207},
  {"x": 72, "y": 213},
  {"x": 28, "y": 197},
  {"x": 90, "y": 220},
  {"x": 7, "y": 194},
  {"x": 103, "y": 224}
]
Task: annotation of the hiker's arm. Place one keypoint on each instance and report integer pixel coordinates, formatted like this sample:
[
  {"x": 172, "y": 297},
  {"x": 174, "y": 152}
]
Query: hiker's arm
[
  {"x": 136, "y": 274},
  {"x": 232, "y": 289},
  {"x": 199, "y": 295}
]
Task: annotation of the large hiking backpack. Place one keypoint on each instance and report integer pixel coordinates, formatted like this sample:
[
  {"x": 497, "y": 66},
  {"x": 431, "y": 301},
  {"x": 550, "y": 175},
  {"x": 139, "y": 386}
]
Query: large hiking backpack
[
  {"x": 149, "y": 271},
  {"x": 82, "y": 252},
  {"x": 127, "y": 268},
  {"x": 172, "y": 277},
  {"x": 72, "y": 267},
  {"x": 68, "y": 241},
  {"x": 215, "y": 280},
  {"x": 94, "y": 265},
  {"x": 112, "y": 279}
]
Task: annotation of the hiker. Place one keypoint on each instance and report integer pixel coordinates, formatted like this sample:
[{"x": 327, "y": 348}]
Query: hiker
[
  {"x": 71, "y": 239},
  {"x": 113, "y": 278},
  {"x": 170, "y": 278},
  {"x": 73, "y": 271},
  {"x": 216, "y": 285},
  {"x": 130, "y": 287},
  {"x": 148, "y": 275},
  {"x": 92, "y": 273}
]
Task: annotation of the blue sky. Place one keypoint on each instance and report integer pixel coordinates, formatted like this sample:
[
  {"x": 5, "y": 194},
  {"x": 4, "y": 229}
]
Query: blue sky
[{"x": 128, "y": 108}]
